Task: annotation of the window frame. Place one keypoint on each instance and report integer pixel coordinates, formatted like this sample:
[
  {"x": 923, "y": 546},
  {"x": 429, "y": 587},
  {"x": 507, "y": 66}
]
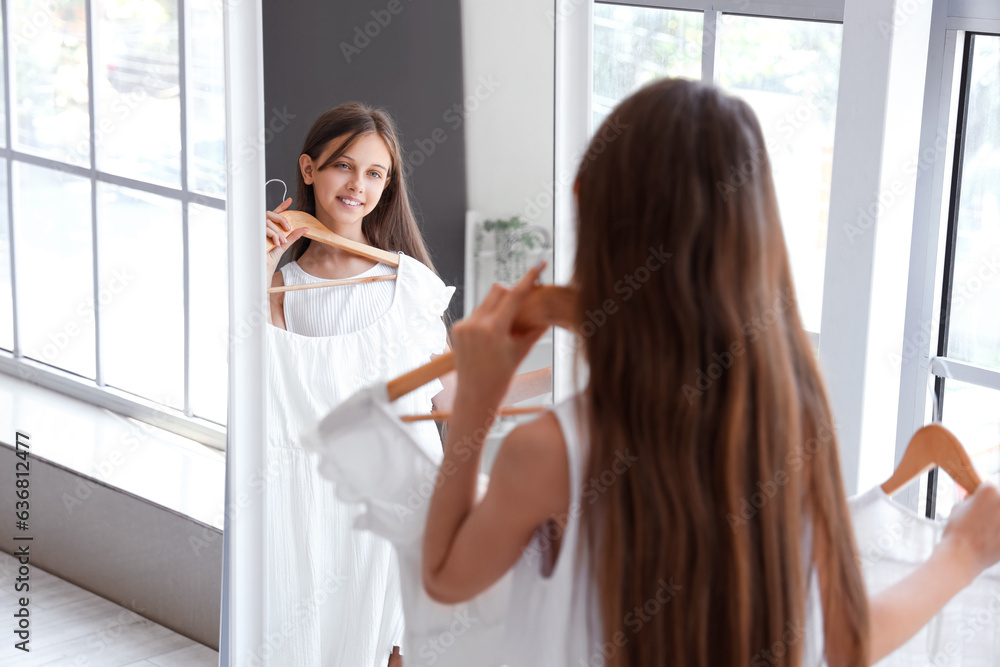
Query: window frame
[
  {"x": 182, "y": 422},
  {"x": 812, "y": 10},
  {"x": 820, "y": 11},
  {"x": 931, "y": 273}
]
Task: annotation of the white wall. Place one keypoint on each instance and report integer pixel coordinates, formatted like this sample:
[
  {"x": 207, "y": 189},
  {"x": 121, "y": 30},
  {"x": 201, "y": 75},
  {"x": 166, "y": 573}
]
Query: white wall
[
  {"x": 509, "y": 135},
  {"x": 509, "y": 72}
]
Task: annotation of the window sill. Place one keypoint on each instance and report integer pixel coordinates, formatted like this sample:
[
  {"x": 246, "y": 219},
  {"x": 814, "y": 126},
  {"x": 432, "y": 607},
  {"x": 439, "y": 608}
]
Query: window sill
[
  {"x": 113, "y": 400},
  {"x": 167, "y": 469}
]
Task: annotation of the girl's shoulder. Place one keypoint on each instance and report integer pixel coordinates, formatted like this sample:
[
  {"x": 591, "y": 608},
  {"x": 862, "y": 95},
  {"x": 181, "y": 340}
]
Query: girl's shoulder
[
  {"x": 534, "y": 459},
  {"x": 550, "y": 446}
]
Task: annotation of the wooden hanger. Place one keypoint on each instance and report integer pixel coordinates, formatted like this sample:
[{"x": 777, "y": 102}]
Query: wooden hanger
[
  {"x": 934, "y": 445},
  {"x": 329, "y": 283},
  {"x": 318, "y": 232},
  {"x": 545, "y": 305},
  {"x": 445, "y": 416}
]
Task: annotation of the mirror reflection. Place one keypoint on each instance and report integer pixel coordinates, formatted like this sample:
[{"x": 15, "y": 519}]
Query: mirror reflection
[{"x": 421, "y": 149}]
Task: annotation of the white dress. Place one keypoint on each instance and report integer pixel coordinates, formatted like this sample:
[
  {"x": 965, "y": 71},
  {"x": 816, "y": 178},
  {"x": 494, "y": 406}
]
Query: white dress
[
  {"x": 554, "y": 614},
  {"x": 351, "y": 439},
  {"x": 893, "y": 541},
  {"x": 332, "y": 593}
]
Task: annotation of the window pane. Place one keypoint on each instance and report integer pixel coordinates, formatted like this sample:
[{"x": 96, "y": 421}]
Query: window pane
[
  {"x": 974, "y": 333},
  {"x": 635, "y": 45},
  {"x": 6, "y": 299},
  {"x": 48, "y": 46},
  {"x": 209, "y": 312},
  {"x": 142, "y": 293},
  {"x": 973, "y": 414},
  {"x": 138, "y": 124},
  {"x": 206, "y": 97},
  {"x": 788, "y": 72},
  {"x": 55, "y": 271}
]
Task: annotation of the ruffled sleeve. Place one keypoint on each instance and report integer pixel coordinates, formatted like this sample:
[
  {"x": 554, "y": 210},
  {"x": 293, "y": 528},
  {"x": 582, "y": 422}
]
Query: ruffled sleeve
[
  {"x": 426, "y": 299},
  {"x": 376, "y": 462}
]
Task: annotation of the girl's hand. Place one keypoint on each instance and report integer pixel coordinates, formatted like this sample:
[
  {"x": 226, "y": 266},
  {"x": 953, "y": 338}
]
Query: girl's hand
[
  {"x": 277, "y": 230},
  {"x": 973, "y": 531}
]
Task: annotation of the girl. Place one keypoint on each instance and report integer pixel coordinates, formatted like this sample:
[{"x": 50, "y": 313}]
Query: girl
[
  {"x": 339, "y": 587},
  {"x": 360, "y": 194},
  {"x": 616, "y": 508},
  {"x": 326, "y": 343}
]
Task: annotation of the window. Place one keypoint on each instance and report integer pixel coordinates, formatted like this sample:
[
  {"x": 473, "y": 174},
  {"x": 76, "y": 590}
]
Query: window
[
  {"x": 969, "y": 333},
  {"x": 787, "y": 70},
  {"x": 113, "y": 277},
  {"x": 635, "y": 45}
]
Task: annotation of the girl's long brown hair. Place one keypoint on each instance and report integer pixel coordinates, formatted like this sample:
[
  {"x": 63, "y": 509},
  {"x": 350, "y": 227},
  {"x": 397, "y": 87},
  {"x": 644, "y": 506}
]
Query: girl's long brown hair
[
  {"x": 699, "y": 367},
  {"x": 391, "y": 225}
]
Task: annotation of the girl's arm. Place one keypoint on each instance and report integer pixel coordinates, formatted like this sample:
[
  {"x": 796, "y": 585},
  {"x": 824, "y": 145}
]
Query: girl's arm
[
  {"x": 971, "y": 543},
  {"x": 899, "y": 612},
  {"x": 468, "y": 545},
  {"x": 283, "y": 236}
]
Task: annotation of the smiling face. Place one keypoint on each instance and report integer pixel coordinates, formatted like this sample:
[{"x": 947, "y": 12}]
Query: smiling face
[{"x": 349, "y": 187}]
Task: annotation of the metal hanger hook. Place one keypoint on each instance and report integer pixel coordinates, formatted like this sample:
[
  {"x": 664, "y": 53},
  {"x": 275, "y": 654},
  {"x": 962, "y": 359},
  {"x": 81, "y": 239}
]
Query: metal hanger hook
[{"x": 284, "y": 194}]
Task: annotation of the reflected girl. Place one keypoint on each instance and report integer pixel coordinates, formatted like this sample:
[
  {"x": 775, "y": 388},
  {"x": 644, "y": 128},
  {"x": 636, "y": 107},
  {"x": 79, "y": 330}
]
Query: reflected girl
[{"x": 333, "y": 593}]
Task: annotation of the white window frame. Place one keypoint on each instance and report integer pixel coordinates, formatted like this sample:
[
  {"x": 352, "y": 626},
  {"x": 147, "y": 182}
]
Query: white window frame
[
  {"x": 930, "y": 226},
  {"x": 182, "y": 422}
]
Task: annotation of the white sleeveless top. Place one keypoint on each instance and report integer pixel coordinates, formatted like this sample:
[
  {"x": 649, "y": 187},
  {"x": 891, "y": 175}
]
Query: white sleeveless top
[
  {"x": 555, "y": 619},
  {"x": 332, "y": 593},
  {"x": 331, "y": 311}
]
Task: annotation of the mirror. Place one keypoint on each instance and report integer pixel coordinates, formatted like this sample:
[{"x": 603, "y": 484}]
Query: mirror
[{"x": 474, "y": 113}]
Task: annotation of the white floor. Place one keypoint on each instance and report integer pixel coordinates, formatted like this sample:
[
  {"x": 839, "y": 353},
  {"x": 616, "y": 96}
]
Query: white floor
[{"x": 71, "y": 627}]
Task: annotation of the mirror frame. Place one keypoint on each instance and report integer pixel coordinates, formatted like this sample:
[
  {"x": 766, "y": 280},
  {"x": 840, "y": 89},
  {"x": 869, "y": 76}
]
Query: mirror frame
[
  {"x": 243, "y": 569},
  {"x": 242, "y": 623},
  {"x": 574, "y": 35}
]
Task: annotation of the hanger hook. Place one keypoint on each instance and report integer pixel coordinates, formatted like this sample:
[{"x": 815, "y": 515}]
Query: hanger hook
[{"x": 284, "y": 194}]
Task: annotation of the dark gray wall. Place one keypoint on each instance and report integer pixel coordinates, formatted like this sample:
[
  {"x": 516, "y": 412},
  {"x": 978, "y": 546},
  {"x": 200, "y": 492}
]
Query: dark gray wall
[{"x": 412, "y": 67}]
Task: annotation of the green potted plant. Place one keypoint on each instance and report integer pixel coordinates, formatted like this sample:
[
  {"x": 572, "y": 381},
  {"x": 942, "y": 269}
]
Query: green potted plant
[{"x": 513, "y": 241}]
